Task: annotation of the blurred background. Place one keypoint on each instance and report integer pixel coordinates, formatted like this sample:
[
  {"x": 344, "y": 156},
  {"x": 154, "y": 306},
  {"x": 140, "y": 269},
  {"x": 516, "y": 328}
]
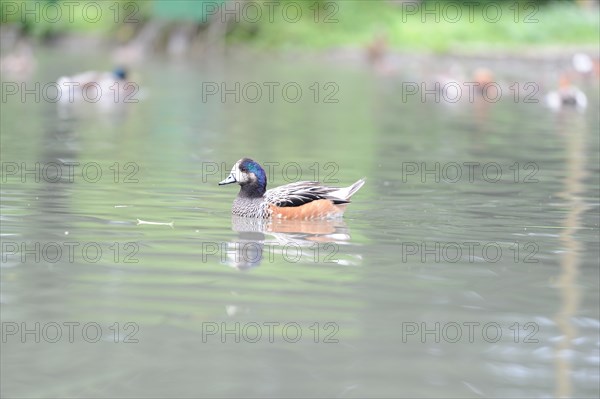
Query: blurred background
[{"x": 475, "y": 123}]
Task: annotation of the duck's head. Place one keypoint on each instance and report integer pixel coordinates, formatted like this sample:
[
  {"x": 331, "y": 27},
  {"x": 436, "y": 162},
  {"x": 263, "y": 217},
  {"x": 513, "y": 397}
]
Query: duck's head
[
  {"x": 120, "y": 73},
  {"x": 250, "y": 176}
]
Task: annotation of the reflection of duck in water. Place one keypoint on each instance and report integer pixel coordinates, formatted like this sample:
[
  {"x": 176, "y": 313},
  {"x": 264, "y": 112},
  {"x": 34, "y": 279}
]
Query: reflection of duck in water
[
  {"x": 300, "y": 200},
  {"x": 567, "y": 95},
  {"x": 302, "y": 232},
  {"x": 303, "y": 240}
]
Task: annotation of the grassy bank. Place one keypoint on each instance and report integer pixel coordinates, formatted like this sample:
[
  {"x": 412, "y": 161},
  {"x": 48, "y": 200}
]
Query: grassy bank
[
  {"x": 323, "y": 24},
  {"x": 505, "y": 25}
]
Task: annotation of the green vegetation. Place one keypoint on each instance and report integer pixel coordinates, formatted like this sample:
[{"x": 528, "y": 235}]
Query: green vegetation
[
  {"x": 322, "y": 24},
  {"x": 47, "y": 18},
  {"x": 358, "y": 22}
]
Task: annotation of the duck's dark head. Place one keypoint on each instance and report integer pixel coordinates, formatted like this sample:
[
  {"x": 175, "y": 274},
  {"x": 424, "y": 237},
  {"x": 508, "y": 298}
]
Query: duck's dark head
[
  {"x": 250, "y": 176},
  {"x": 120, "y": 73}
]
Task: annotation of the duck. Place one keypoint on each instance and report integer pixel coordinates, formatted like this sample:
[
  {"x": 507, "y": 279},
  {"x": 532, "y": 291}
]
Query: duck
[
  {"x": 303, "y": 200},
  {"x": 20, "y": 63},
  {"x": 378, "y": 48},
  {"x": 483, "y": 77},
  {"x": 582, "y": 63},
  {"x": 72, "y": 87},
  {"x": 566, "y": 95},
  {"x": 448, "y": 83}
]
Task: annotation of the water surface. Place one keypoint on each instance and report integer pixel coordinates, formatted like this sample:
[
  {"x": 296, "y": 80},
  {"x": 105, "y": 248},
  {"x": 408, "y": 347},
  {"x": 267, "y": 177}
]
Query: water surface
[{"x": 406, "y": 296}]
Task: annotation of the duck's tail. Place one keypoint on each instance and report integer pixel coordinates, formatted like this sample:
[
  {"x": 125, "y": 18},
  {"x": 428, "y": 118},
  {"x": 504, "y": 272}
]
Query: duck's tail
[{"x": 346, "y": 192}]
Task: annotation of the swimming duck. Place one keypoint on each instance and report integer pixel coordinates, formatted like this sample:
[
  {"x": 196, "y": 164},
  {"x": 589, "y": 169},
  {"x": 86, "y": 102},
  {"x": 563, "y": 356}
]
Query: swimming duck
[
  {"x": 300, "y": 200},
  {"x": 483, "y": 77},
  {"x": 73, "y": 86},
  {"x": 582, "y": 63},
  {"x": 566, "y": 95},
  {"x": 20, "y": 63}
]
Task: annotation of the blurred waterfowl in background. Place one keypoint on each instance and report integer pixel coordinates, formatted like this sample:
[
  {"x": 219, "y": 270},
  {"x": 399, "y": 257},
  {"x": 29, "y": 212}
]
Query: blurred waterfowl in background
[
  {"x": 448, "y": 83},
  {"x": 377, "y": 48},
  {"x": 483, "y": 77},
  {"x": 582, "y": 63},
  {"x": 585, "y": 67},
  {"x": 108, "y": 86},
  {"x": 567, "y": 95},
  {"x": 19, "y": 63},
  {"x": 378, "y": 55}
]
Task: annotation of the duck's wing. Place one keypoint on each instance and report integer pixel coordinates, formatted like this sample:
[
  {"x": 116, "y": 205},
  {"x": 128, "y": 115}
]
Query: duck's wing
[{"x": 301, "y": 193}]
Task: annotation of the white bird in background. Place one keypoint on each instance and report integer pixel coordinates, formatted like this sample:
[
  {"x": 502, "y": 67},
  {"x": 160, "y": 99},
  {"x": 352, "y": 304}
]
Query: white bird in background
[
  {"x": 20, "y": 63},
  {"x": 582, "y": 63}
]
